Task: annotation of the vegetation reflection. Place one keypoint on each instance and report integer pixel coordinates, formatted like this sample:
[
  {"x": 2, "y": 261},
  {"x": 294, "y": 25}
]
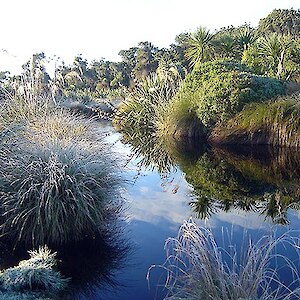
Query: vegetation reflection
[{"x": 261, "y": 179}]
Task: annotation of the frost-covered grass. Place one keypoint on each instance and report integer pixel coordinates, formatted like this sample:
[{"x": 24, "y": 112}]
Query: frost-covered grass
[
  {"x": 34, "y": 278},
  {"x": 53, "y": 191},
  {"x": 198, "y": 268},
  {"x": 36, "y": 273},
  {"x": 59, "y": 180}
]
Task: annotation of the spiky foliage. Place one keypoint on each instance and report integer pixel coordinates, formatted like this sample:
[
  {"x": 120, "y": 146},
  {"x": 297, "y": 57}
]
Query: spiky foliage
[
  {"x": 274, "y": 55},
  {"x": 34, "y": 274},
  {"x": 198, "y": 45},
  {"x": 246, "y": 36},
  {"x": 141, "y": 110},
  {"x": 200, "y": 269}
]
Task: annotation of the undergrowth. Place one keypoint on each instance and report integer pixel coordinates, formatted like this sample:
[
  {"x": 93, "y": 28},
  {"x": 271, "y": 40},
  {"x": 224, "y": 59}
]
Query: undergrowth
[{"x": 214, "y": 92}]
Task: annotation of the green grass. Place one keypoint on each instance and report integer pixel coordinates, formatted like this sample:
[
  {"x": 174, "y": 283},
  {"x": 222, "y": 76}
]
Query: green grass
[
  {"x": 198, "y": 268},
  {"x": 273, "y": 123}
]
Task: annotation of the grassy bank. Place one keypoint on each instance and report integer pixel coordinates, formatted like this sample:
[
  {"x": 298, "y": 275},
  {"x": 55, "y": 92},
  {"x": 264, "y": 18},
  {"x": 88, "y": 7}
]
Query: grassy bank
[{"x": 274, "y": 123}]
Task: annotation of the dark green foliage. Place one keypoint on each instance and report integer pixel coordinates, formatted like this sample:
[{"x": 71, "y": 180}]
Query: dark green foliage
[
  {"x": 275, "y": 56},
  {"x": 219, "y": 89},
  {"x": 199, "y": 46},
  {"x": 282, "y": 21},
  {"x": 230, "y": 42}
]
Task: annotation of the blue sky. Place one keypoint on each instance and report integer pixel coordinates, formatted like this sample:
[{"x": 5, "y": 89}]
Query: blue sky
[{"x": 96, "y": 28}]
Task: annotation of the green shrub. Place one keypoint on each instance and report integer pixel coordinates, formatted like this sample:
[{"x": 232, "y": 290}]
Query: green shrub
[{"x": 217, "y": 90}]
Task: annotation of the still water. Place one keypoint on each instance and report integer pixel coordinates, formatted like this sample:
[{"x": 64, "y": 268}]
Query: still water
[
  {"x": 253, "y": 190},
  {"x": 237, "y": 190}
]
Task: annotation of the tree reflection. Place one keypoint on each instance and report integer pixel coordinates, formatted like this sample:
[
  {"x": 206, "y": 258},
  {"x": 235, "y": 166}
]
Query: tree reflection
[
  {"x": 261, "y": 179},
  {"x": 264, "y": 180}
]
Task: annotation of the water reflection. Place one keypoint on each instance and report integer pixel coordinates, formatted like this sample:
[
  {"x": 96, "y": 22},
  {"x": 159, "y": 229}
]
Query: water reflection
[
  {"x": 91, "y": 263},
  {"x": 260, "y": 179}
]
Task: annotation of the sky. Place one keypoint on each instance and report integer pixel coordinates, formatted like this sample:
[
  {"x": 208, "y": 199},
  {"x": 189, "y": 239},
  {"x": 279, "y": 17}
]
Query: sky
[{"x": 100, "y": 29}]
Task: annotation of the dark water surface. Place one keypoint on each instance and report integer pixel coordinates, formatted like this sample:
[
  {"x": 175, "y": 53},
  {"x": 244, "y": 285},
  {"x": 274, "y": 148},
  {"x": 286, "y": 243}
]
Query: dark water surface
[{"x": 228, "y": 190}]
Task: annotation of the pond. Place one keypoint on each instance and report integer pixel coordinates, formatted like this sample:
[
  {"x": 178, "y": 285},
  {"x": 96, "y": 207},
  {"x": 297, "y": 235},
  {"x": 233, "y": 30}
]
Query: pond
[{"x": 233, "y": 191}]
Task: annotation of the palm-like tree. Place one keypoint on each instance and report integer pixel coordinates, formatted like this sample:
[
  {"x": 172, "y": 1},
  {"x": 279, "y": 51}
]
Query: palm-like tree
[
  {"x": 225, "y": 46},
  {"x": 198, "y": 45},
  {"x": 274, "y": 48},
  {"x": 246, "y": 37}
]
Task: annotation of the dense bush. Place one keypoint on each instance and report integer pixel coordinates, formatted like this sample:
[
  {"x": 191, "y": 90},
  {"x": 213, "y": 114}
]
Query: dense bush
[{"x": 215, "y": 91}]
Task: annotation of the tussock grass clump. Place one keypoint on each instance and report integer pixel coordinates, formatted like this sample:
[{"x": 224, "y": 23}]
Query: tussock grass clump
[
  {"x": 23, "y": 104},
  {"x": 36, "y": 273},
  {"x": 8, "y": 295},
  {"x": 54, "y": 193},
  {"x": 58, "y": 178},
  {"x": 64, "y": 129},
  {"x": 143, "y": 107},
  {"x": 273, "y": 123},
  {"x": 199, "y": 269}
]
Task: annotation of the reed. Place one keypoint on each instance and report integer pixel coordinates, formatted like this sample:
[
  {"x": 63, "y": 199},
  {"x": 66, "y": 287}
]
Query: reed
[{"x": 198, "y": 268}]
